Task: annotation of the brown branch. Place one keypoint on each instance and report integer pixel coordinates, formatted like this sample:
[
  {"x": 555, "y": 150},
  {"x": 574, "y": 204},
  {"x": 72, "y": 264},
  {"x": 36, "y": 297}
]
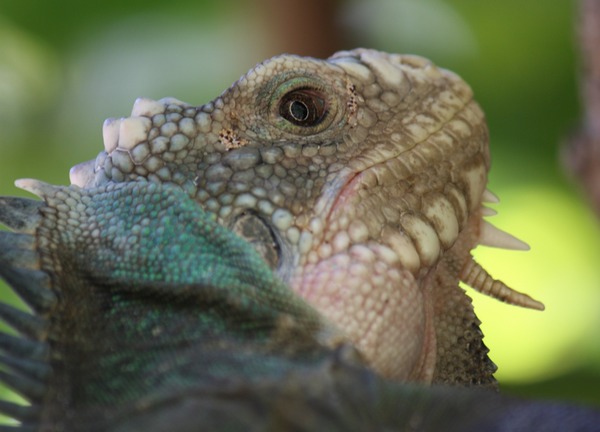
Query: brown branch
[
  {"x": 582, "y": 153},
  {"x": 308, "y": 27}
]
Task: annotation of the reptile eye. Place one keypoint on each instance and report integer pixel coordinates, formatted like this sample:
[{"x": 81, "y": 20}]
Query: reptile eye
[{"x": 303, "y": 107}]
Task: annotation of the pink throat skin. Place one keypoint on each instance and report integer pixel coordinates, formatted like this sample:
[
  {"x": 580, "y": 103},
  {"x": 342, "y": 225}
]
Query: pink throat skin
[
  {"x": 360, "y": 285},
  {"x": 377, "y": 305}
]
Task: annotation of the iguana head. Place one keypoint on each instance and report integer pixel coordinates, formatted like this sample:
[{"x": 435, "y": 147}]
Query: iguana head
[{"x": 360, "y": 180}]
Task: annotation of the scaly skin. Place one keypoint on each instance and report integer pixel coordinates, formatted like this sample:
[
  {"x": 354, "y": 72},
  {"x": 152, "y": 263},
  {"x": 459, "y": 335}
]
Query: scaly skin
[
  {"x": 360, "y": 180},
  {"x": 146, "y": 315}
]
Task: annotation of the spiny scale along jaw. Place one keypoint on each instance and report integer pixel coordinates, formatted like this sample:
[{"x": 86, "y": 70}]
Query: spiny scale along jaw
[{"x": 359, "y": 179}]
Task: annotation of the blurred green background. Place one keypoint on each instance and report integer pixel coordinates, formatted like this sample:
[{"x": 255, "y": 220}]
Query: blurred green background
[{"x": 66, "y": 65}]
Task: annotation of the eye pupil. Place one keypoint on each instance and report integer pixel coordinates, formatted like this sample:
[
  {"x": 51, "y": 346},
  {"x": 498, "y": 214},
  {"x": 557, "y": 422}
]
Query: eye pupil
[
  {"x": 303, "y": 107},
  {"x": 299, "y": 110}
]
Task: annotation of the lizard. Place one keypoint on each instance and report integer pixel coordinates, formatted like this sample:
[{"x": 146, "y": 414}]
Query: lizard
[
  {"x": 108, "y": 234},
  {"x": 146, "y": 314},
  {"x": 360, "y": 179}
]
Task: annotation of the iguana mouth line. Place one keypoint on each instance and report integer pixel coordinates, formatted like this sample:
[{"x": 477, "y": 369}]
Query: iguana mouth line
[
  {"x": 352, "y": 182},
  {"x": 340, "y": 196}
]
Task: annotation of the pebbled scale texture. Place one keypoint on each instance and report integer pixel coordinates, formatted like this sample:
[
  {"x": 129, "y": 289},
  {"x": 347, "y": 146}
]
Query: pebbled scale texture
[
  {"x": 146, "y": 315},
  {"x": 359, "y": 181},
  {"x": 368, "y": 206}
]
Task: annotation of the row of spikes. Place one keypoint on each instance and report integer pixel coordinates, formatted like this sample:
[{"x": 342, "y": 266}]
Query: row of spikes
[
  {"x": 24, "y": 358},
  {"x": 475, "y": 276}
]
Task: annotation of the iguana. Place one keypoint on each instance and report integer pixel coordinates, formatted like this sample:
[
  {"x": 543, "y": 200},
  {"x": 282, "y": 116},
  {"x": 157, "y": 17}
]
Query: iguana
[
  {"x": 367, "y": 171},
  {"x": 153, "y": 301}
]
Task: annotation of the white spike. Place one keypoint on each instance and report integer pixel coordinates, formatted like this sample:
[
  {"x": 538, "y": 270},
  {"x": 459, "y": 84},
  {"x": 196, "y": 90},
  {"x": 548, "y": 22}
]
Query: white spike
[
  {"x": 173, "y": 101},
  {"x": 83, "y": 173},
  {"x": 36, "y": 187},
  {"x": 353, "y": 67},
  {"x": 146, "y": 107},
  {"x": 490, "y": 197},
  {"x": 486, "y": 211},
  {"x": 495, "y": 237},
  {"x": 132, "y": 131},
  {"x": 477, "y": 278},
  {"x": 389, "y": 73},
  {"x": 110, "y": 133}
]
